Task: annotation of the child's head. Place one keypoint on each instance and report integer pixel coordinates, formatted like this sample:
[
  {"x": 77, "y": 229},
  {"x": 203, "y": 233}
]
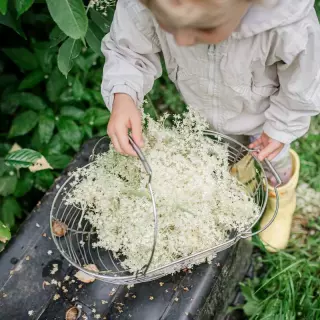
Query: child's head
[{"x": 198, "y": 21}]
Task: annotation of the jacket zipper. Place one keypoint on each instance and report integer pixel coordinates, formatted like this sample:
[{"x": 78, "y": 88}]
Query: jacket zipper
[{"x": 212, "y": 81}]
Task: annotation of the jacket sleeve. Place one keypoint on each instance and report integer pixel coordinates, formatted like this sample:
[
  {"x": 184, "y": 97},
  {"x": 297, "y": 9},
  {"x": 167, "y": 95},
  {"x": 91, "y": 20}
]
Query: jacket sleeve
[
  {"x": 298, "y": 97},
  {"x": 132, "y": 51}
]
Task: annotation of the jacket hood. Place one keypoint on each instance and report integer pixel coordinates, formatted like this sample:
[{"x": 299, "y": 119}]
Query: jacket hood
[{"x": 272, "y": 14}]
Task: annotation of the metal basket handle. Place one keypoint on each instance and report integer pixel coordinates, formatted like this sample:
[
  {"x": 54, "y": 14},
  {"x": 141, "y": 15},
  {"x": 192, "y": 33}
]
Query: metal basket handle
[
  {"x": 148, "y": 170},
  {"x": 246, "y": 235}
]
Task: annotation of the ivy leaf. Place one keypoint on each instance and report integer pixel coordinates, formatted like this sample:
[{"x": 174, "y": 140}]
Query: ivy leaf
[
  {"x": 94, "y": 37},
  {"x": 24, "y": 184},
  {"x": 77, "y": 89},
  {"x": 31, "y": 80},
  {"x": 3, "y": 6},
  {"x": 96, "y": 117},
  {"x": 103, "y": 22},
  {"x": 59, "y": 161},
  {"x": 22, "y": 57},
  {"x": 46, "y": 126},
  {"x": 7, "y": 185},
  {"x": 23, "y": 123},
  {"x": 70, "y": 16},
  {"x": 22, "y": 158},
  {"x": 26, "y": 100},
  {"x": 55, "y": 85},
  {"x": 56, "y": 36},
  {"x": 69, "y": 50},
  {"x": 43, "y": 180},
  {"x": 23, "y": 5},
  {"x": 5, "y": 234},
  {"x": 70, "y": 132},
  {"x": 72, "y": 112}
]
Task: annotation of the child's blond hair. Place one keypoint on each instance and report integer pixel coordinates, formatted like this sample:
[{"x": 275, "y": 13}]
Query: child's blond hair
[{"x": 193, "y": 13}]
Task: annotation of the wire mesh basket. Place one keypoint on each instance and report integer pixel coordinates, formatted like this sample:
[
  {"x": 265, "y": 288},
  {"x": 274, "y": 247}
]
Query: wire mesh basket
[{"x": 76, "y": 244}]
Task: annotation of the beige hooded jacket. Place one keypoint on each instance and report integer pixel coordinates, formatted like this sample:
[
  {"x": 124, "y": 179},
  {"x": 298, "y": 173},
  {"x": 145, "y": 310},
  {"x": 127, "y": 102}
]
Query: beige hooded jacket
[{"x": 264, "y": 77}]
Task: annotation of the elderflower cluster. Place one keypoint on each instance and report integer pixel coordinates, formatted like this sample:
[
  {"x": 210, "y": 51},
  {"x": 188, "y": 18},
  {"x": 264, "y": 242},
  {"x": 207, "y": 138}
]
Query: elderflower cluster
[
  {"x": 198, "y": 201},
  {"x": 101, "y": 5}
]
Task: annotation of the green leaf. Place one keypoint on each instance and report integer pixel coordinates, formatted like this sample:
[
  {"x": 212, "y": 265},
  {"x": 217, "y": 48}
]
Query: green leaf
[
  {"x": 7, "y": 79},
  {"x": 3, "y": 6},
  {"x": 45, "y": 55},
  {"x": 25, "y": 100},
  {"x": 251, "y": 308},
  {"x": 46, "y": 126},
  {"x": 6, "y": 215},
  {"x": 56, "y": 146},
  {"x": 23, "y": 5},
  {"x": 11, "y": 207},
  {"x": 70, "y": 16},
  {"x": 87, "y": 130},
  {"x": 23, "y": 123},
  {"x": 43, "y": 180},
  {"x": 67, "y": 97},
  {"x": 5, "y": 234},
  {"x": 72, "y": 112},
  {"x": 4, "y": 149},
  {"x": 24, "y": 185},
  {"x": 59, "y": 161},
  {"x": 31, "y": 80},
  {"x": 77, "y": 89},
  {"x": 10, "y": 21},
  {"x": 8, "y": 184},
  {"x": 22, "y": 158},
  {"x": 103, "y": 22},
  {"x": 3, "y": 167},
  {"x": 56, "y": 36},
  {"x": 94, "y": 37},
  {"x": 55, "y": 85},
  {"x": 22, "y": 57},
  {"x": 70, "y": 132},
  {"x": 35, "y": 141},
  {"x": 69, "y": 50},
  {"x": 96, "y": 117}
]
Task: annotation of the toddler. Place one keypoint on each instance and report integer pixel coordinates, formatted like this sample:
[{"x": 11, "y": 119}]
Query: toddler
[{"x": 251, "y": 68}]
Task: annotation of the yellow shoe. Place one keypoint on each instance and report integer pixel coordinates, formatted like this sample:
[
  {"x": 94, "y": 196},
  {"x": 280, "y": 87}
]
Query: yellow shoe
[{"x": 276, "y": 236}]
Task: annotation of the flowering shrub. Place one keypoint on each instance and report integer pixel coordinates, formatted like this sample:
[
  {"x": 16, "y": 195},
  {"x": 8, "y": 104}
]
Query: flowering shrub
[{"x": 198, "y": 201}]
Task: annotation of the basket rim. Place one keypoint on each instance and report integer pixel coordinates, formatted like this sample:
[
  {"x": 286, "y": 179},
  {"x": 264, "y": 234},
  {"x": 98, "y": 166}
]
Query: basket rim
[{"x": 134, "y": 278}]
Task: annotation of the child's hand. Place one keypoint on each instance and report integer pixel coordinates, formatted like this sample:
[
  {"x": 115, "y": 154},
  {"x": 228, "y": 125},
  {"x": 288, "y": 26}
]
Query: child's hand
[
  {"x": 269, "y": 148},
  {"x": 124, "y": 116}
]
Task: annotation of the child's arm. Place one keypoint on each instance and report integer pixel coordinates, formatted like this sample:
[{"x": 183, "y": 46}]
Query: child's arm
[
  {"x": 132, "y": 64},
  {"x": 298, "y": 98}
]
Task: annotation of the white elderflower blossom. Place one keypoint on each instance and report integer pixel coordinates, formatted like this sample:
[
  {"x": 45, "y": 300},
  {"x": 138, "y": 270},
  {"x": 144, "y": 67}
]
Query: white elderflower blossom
[
  {"x": 198, "y": 201},
  {"x": 101, "y": 5}
]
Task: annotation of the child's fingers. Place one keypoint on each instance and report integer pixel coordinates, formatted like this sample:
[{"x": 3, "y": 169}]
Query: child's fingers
[
  {"x": 123, "y": 139},
  {"x": 136, "y": 128},
  {"x": 268, "y": 150},
  {"x": 255, "y": 144},
  {"x": 116, "y": 144}
]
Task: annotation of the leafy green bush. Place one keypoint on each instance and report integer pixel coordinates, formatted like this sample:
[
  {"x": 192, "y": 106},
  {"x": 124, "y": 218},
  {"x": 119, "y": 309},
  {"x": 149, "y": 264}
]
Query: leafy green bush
[
  {"x": 50, "y": 93},
  {"x": 50, "y": 101}
]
